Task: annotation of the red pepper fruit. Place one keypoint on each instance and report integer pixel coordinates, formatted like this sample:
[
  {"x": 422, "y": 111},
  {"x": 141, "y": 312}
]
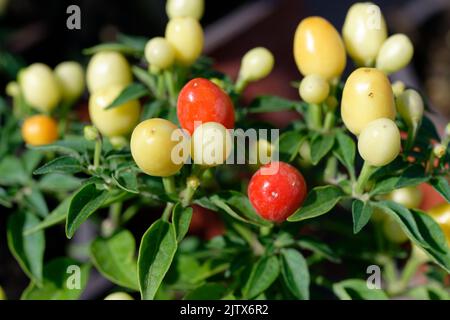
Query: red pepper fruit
[
  {"x": 277, "y": 195},
  {"x": 203, "y": 101}
]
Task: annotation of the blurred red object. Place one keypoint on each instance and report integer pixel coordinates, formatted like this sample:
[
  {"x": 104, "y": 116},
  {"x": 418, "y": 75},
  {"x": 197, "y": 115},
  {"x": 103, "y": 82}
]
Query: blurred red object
[{"x": 205, "y": 223}]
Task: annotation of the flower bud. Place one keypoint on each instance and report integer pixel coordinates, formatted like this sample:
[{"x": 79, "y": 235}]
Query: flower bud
[
  {"x": 90, "y": 133},
  {"x": 439, "y": 150}
]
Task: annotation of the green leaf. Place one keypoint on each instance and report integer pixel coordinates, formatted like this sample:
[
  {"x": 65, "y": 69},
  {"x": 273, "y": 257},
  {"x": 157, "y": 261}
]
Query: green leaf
[
  {"x": 319, "y": 248},
  {"x": 263, "y": 274},
  {"x": 133, "y": 91},
  {"x": 127, "y": 180},
  {"x": 64, "y": 279},
  {"x": 361, "y": 212},
  {"x": 114, "y": 259},
  {"x": 156, "y": 252},
  {"x": 181, "y": 219},
  {"x": 239, "y": 202},
  {"x": 289, "y": 144},
  {"x": 57, "y": 182},
  {"x": 271, "y": 104},
  {"x": 153, "y": 109},
  {"x": 31, "y": 160},
  {"x": 207, "y": 291},
  {"x": 294, "y": 270},
  {"x": 345, "y": 151},
  {"x": 64, "y": 164},
  {"x": 84, "y": 203},
  {"x": 440, "y": 184},
  {"x": 320, "y": 200},
  {"x": 12, "y": 172},
  {"x": 222, "y": 205},
  {"x": 58, "y": 215},
  {"x": 27, "y": 250},
  {"x": 357, "y": 289},
  {"x": 320, "y": 146},
  {"x": 114, "y": 46},
  {"x": 422, "y": 230},
  {"x": 71, "y": 145},
  {"x": 36, "y": 202},
  {"x": 145, "y": 77},
  {"x": 411, "y": 176}
]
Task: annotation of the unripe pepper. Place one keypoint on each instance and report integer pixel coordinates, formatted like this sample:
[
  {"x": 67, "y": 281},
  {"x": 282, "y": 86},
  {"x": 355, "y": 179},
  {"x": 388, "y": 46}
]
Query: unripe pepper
[
  {"x": 314, "y": 89},
  {"x": 40, "y": 87},
  {"x": 186, "y": 37},
  {"x": 364, "y": 32},
  {"x": 117, "y": 121},
  {"x": 70, "y": 76},
  {"x": 318, "y": 48},
  {"x": 256, "y": 64},
  {"x": 159, "y": 53},
  {"x": 379, "y": 143},
  {"x": 410, "y": 107},
  {"x": 107, "y": 68},
  {"x": 367, "y": 96},
  {"x": 153, "y": 147},
  {"x": 185, "y": 8},
  {"x": 441, "y": 214},
  {"x": 395, "y": 53}
]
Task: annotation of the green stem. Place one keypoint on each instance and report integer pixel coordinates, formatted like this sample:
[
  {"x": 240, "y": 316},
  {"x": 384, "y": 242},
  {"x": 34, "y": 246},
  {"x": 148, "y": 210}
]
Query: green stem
[
  {"x": 168, "y": 77},
  {"x": 250, "y": 238},
  {"x": 412, "y": 132},
  {"x": 97, "y": 152},
  {"x": 363, "y": 178},
  {"x": 315, "y": 116},
  {"x": 169, "y": 185},
  {"x": 330, "y": 120},
  {"x": 240, "y": 85},
  {"x": 330, "y": 169},
  {"x": 192, "y": 185},
  {"x": 160, "y": 86},
  {"x": 114, "y": 214},
  {"x": 167, "y": 211}
]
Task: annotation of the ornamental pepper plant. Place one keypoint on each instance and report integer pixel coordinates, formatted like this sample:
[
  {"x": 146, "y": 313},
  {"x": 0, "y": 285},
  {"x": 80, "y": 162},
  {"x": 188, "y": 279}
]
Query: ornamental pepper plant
[{"x": 303, "y": 213}]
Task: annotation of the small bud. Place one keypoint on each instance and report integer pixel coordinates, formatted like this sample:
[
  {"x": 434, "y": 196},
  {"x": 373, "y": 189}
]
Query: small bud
[
  {"x": 398, "y": 87},
  {"x": 12, "y": 89},
  {"x": 410, "y": 106},
  {"x": 118, "y": 142},
  {"x": 439, "y": 150},
  {"x": 193, "y": 182},
  {"x": 90, "y": 133}
]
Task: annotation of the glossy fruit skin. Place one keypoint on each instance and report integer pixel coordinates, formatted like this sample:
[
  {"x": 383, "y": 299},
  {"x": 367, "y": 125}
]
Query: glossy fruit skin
[
  {"x": 379, "y": 143},
  {"x": 364, "y": 32},
  {"x": 151, "y": 146},
  {"x": 40, "y": 87},
  {"x": 113, "y": 122},
  {"x": 118, "y": 296},
  {"x": 410, "y": 106},
  {"x": 185, "y": 8},
  {"x": 203, "y": 101},
  {"x": 319, "y": 49},
  {"x": 409, "y": 197},
  {"x": 256, "y": 64},
  {"x": 107, "y": 68},
  {"x": 276, "y": 196},
  {"x": 70, "y": 76},
  {"x": 441, "y": 214},
  {"x": 395, "y": 53},
  {"x": 39, "y": 130},
  {"x": 186, "y": 37},
  {"x": 367, "y": 96},
  {"x": 211, "y": 144},
  {"x": 314, "y": 89},
  {"x": 159, "y": 53}
]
